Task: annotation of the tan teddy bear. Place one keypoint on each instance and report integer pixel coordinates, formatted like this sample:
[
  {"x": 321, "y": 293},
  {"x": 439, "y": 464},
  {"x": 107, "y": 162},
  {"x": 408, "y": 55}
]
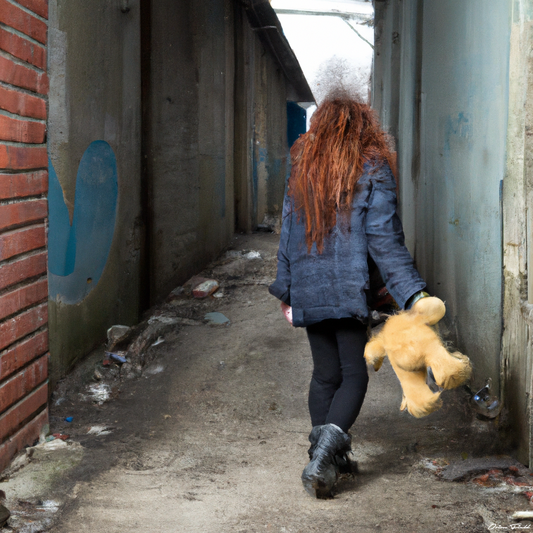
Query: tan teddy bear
[{"x": 411, "y": 346}]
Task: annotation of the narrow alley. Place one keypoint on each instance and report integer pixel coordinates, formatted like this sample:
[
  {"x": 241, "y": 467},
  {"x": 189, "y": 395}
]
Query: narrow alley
[{"x": 212, "y": 437}]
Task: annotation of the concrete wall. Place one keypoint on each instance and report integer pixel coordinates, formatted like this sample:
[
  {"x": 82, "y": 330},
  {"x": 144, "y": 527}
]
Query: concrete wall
[
  {"x": 269, "y": 135},
  {"x": 142, "y": 149},
  {"x": 190, "y": 138},
  {"x": 217, "y": 146},
  {"x": 94, "y": 145},
  {"x": 440, "y": 85}
]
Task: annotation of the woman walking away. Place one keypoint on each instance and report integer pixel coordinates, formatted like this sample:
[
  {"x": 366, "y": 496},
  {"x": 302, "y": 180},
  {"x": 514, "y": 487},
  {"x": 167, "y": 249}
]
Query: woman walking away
[{"x": 340, "y": 207}]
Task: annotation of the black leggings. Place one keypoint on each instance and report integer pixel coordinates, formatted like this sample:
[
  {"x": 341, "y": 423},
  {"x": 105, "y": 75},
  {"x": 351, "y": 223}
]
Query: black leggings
[{"x": 340, "y": 377}]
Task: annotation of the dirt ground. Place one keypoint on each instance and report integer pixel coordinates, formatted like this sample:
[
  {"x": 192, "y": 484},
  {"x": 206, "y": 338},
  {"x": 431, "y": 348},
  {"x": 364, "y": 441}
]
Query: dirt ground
[{"x": 212, "y": 437}]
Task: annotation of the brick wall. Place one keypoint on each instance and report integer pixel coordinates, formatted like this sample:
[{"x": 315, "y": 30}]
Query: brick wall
[{"x": 23, "y": 212}]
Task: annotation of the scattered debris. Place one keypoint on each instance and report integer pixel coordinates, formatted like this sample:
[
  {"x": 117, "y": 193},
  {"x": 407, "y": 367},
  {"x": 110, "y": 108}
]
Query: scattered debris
[
  {"x": 232, "y": 254},
  {"x": 176, "y": 293},
  {"x": 49, "y": 505},
  {"x": 206, "y": 288},
  {"x": 99, "y": 430},
  {"x": 100, "y": 392},
  {"x": 129, "y": 371},
  {"x": 237, "y": 254},
  {"x": 522, "y": 515},
  {"x": 167, "y": 320},
  {"x": 463, "y": 470},
  {"x": 219, "y": 294},
  {"x": 154, "y": 328},
  {"x": 510, "y": 477},
  {"x": 105, "y": 362},
  {"x": 55, "y": 444},
  {"x": 271, "y": 223},
  {"x": 69, "y": 419},
  {"x": 61, "y": 436},
  {"x": 117, "y": 334},
  {"x": 160, "y": 340},
  {"x": 216, "y": 319},
  {"x": 118, "y": 357},
  {"x": 485, "y": 404},
  {"x": 166, "y": 417},
  {"x": 97, "y": 375},
  {"x": 221, "y": 365},
  {"x": 154, "y": 369},
  {"x": 434, "y": 465}
]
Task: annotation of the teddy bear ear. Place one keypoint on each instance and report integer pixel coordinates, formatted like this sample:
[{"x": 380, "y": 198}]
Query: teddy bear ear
[{"x": 431, "y": 307}]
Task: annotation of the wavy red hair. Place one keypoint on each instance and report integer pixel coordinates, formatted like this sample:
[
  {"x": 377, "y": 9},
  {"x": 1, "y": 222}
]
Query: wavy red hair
[{"x": 328, "y": 160}]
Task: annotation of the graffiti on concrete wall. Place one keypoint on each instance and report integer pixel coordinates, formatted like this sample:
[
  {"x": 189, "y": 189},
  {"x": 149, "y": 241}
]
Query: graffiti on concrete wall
[{"x": 78, "y": 251}]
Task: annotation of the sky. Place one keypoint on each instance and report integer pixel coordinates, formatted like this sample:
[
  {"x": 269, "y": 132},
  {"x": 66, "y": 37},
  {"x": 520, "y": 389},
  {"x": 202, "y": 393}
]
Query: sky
[{"x": 317, "y": 39}]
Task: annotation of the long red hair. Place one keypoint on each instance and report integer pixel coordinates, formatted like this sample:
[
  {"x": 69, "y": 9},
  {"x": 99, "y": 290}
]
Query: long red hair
[{"x": 328, "y": 160}]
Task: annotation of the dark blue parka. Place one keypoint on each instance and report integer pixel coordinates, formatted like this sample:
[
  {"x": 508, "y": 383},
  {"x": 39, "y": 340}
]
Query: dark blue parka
[{"x": 332, "y": 284}]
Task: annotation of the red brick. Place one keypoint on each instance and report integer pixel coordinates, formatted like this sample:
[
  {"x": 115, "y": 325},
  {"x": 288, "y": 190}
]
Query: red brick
[
  {"x": 21, "y": 240},
  {"x": 14, "y": 301},
  {"x": 23, "y": 157},
  {"x": 15, "y": 17},
  {"x": 37, "y": 6},
  {"x": 21, "y": 131},
  {"x": 23, "y": 383},
  {"x": 22, "y": 353},
  {"x": 25, "y": 437},
  {"x": 21, "y": 76},
  {"x": 43, "y": 84},
  {"x": 22, "y": 104},
  {"x": 11, "y": 420},
  {"x": 21, "y": 185},
  {"x": 26, "y": 268},
  {"x": 21, "y": 325},
  {"x": 22, "y": 213},
  {"x": 23, "y": 49}
]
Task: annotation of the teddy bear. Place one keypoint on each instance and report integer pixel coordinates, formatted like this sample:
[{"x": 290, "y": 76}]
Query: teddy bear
[{"x": 412, "y": 346}]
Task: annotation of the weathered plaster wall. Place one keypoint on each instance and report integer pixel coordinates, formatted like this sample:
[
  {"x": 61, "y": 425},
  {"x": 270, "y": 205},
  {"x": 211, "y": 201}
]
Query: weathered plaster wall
[
  {"x": 269, "y": 135},
  {"x": 94, "y": 149},
  {"x": 190, "y": 146},
  {"x": 260, "y": 129},
  {"x": 451, "y": 120},
  {"x": 517, "y": 349}
]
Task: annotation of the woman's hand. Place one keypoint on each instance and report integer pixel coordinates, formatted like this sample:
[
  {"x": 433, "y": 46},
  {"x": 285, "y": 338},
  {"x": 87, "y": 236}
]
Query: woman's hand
[{"x": 287, "y": 312}]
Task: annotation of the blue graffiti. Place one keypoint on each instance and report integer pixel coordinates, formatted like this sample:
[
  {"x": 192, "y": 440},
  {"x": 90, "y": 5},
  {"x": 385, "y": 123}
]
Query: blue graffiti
[
  {"x": 458, "y": 127},
  {"x": 78, "y": 252}
]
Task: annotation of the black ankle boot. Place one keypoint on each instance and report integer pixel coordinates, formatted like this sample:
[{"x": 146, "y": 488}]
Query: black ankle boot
[
  {"x": 313, "y": 439},
  {"x": 347, "y": 465},
  {"x": 322, "y": 472}
]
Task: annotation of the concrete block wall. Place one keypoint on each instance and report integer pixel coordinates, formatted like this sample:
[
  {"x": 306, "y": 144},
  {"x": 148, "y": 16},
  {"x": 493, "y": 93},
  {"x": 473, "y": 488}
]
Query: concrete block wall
[
  {"x": 94, "y": 146},
  {"x": 23, "y": 219},
  {"x": 190, "y": 138}
]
